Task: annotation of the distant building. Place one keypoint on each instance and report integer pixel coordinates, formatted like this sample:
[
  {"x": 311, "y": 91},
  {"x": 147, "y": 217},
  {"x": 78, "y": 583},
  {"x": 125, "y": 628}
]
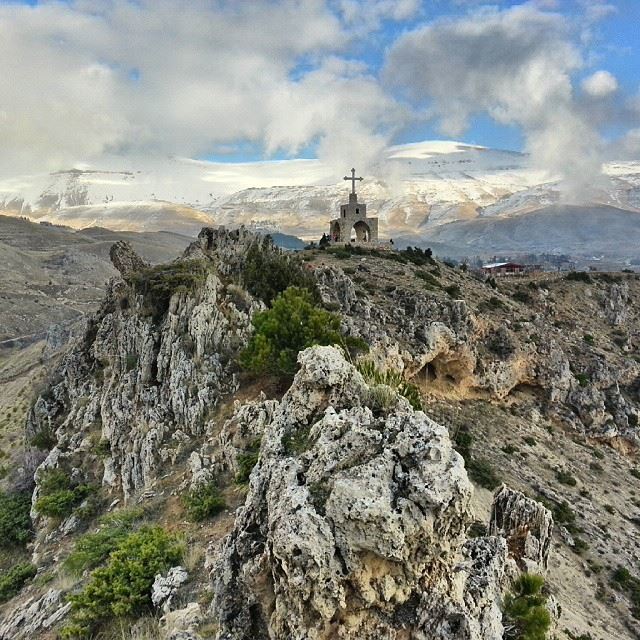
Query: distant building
[
  {"x": 353, "y": 227},
  {"x": 505, "y": 269}
]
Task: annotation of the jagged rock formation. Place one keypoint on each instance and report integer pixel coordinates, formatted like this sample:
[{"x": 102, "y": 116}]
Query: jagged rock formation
[
  {"x": 125, "y": 259},
  {"x": 34, "y": 616},
  {"x": 446, "y": 348},
  {"x": 355, "y": 522},
  {"x": 140, "y": 388},
  {"x": 526, "y": 525}
]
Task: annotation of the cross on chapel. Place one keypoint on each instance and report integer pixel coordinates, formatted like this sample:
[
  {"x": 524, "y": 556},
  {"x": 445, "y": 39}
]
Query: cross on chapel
[
  {"x": 353, "y": 180},
  {"x": 353, "y": 226}
]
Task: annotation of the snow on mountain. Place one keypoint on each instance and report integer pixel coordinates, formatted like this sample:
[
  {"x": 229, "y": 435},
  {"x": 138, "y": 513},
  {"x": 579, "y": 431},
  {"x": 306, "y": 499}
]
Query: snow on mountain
[{"x": 417, "y": 187}]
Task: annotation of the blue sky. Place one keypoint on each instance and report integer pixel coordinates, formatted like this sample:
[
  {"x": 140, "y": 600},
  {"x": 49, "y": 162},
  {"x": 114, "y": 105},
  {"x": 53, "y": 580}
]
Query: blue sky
[{"x": 335, "y": 79}]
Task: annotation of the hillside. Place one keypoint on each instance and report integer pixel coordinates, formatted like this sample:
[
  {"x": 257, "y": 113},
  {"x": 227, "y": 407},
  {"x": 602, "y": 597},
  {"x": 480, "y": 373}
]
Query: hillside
[
  {"x": 52, "y": 274},
  {"x": 572, "y": 230},
  {"x": 331, "y": 503}
]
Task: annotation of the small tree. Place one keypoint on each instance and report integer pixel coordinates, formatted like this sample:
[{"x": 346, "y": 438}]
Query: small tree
[
  {"x": 525, "y": 614},
  {"x": 122, "y": 588},
  {"x": 292, "y": 324}
]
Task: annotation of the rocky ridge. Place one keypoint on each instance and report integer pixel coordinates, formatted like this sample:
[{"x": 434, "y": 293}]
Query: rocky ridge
[{"x": 356, "y": 519}]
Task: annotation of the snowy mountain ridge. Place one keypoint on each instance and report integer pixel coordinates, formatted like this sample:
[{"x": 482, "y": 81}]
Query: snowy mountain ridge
[{"x": 417, "y": 187}]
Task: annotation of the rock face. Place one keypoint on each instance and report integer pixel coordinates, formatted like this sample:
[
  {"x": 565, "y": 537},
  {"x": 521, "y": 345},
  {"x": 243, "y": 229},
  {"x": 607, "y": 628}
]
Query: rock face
[
  {"x": 139, "y": 386},
  {"x": 448, "y": 350},
  {"x": 125, "y": 259},
  {"x": 164, "y": 588},
  {"x": 355, "y": 523},
  {"x": 526, "y": 525},
  {"x": 34, "y": 616}
]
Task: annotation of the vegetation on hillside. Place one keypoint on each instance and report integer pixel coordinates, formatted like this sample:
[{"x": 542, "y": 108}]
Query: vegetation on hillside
[
  {"x": 393, "y": 379},
  {"x": 159, "y": 283},
  {"x": 525, "y": 615},
  {"x": 12, "y": 581},
  {"x": 59, "y": 495},
  {"x": 203, "y": 502},
  {"x": 292, "y": 324},
  {"x": 15, "y": 521},
  {"x": 122, "y": 588},
  {"x": 268, "y": 273}
]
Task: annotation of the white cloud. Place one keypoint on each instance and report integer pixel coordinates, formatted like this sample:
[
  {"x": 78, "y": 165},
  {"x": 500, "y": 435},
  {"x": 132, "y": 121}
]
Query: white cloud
[
  {"x": 600, "y": 84},
  {"x": 82, "y": 79},
  {"x": 516, "y": 65}
]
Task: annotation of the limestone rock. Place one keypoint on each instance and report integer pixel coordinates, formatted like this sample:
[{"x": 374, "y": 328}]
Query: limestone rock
[
  {"x": 347, "y": 515},
  {"x": 182, "y": 624},
  {"x": 165, "y": 587},
  {"x": 34, "y": 616},
  {"x": 526, "y": 525},
  {"x": 125, "y": 259},
  {"x": 616, "y": 303}
]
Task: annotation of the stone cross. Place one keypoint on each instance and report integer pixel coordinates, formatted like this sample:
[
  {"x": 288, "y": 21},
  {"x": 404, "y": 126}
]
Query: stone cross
[{"x": 353, "y": 180}]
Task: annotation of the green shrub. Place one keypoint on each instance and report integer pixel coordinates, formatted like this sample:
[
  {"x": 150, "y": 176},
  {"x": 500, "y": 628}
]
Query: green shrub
[
  {"x": 418, "y": 256},
  {"x": 520, "y": 295},
  {"x": 578, "y": 276},
  {"x": 463, "y": 441},
  {"x": 430, "y": 280},
  {"x": 44, "y": 439},
  {"x": 15, "y": 521},
  {"x": 454, "y": 291},
  {"x": 268, "y": 272},
  {"x": 393, "y": 379},
  {"x": 103, "y": 448},
  {"x": 92, "y": 549},
  {"x": 123, "y": 587},
  {"x": 280, "y": 333},
  {"x": 564, "y": 477},
  {"x": 481, "y": 471},
  {"x": 623, "y": 580},
  {"x": 582, "y": 378},
  {"x": 203, "y": 502},
  {"x": 12, "y": 581},
  {"x": 635, "y": 473},
  {"x": 58, "y": 495},
  {"x": 246, "y": 461},
  {"x": 589, "y": 339},
  {"x": 159, "y": 283},
  {"x": 525, "y": 616},
  {"x": 492, "y": 304}
]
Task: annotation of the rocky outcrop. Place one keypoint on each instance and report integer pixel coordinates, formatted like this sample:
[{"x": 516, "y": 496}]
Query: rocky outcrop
[
  {"x": 125, "y": 259},
  {"x": 449, "y": 351},
  {"x": 354, "y": 524},
  {"x": 164, "y": 588},
  {"x": 616, "y": 303},
  {"x": 139, "y": 386},
  {"x": 34, "y": 617},
  {"x": 526, "y": 525}
]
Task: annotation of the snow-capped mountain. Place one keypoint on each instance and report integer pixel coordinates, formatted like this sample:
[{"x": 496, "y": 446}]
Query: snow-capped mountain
[{"x": 416, "y": 189}]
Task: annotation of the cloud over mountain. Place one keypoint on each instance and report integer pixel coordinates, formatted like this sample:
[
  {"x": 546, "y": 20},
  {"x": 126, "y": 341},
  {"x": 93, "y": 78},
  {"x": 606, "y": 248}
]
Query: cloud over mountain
[
  {"x": 81, "y": 79},
  {"x": 514, "y": 64},
  {"x": 85, "y": 79}
]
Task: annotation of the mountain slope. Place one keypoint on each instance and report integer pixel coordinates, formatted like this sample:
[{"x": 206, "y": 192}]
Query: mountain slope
[
  {"x": 338, "y": 506},
  {"x": 573, "y": 230},
  {"x": 413, "y": 188}
]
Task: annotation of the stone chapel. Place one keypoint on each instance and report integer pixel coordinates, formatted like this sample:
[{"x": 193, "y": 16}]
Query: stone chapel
[{"x": 353, "y": 227}]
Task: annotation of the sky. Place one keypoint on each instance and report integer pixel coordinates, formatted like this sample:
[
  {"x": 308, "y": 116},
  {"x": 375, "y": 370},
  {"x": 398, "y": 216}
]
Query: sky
[{"x": 341, "y": 80}]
